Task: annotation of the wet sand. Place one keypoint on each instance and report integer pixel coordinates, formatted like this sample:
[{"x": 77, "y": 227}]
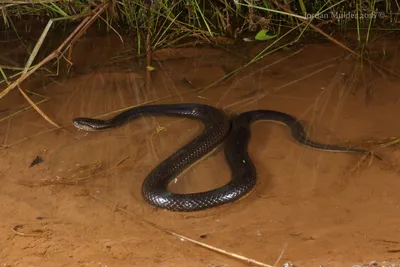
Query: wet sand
[{"x": 83, "y": 202}]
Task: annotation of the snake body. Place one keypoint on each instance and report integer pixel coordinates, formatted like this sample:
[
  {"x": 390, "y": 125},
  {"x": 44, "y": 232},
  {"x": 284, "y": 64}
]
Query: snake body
[{"x": 234, "y": 133}]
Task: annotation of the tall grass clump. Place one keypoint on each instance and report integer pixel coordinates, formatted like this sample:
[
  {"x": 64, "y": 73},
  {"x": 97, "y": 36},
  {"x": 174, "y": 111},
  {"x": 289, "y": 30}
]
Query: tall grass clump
[{"x": 173, "y": 20}]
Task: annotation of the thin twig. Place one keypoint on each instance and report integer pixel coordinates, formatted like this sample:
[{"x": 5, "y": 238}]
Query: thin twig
[
  {"x": 280, "y": 256},
  {"x": 37, "y": 108},
  {"x": 201, "y": 244}
]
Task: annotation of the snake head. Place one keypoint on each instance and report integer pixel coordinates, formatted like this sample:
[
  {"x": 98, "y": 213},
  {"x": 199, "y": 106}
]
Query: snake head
[{"x": 88, "y": 124}]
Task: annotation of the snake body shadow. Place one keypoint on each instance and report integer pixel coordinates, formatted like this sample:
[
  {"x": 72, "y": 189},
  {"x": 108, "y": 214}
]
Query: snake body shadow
[{"x": 234, "y": 133}]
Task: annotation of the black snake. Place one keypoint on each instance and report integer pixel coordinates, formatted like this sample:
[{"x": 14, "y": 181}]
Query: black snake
[{"x": 235, "y": 133}]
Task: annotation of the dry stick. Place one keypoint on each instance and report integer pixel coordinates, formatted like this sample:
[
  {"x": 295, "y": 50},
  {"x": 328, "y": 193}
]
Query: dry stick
[
  {"x": 280, "y": 256},
  {"x": 41, "y": 112},
  {"x": 54, "y": 54},
  {"x": 37, "y": 108},
  {"x": 69, "y": 57},
  {"x": 80, "y": 33},
  {"x": 201, "y": 244},
  {"x": 337, "y": 42}
]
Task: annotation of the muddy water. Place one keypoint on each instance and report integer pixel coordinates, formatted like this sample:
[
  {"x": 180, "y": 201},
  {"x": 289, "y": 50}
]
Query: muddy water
[{"x": 309, "y": 207}]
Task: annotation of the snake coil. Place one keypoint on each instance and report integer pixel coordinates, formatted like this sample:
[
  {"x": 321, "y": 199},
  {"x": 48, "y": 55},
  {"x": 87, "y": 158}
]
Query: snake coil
[{"x": 234, "y": 133}]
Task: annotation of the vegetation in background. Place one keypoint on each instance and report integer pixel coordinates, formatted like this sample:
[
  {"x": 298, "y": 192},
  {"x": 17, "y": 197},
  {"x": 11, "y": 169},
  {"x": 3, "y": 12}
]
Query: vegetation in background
[
  {"x": 174, "y": 20},
  {"x": 166, "y": 23}
]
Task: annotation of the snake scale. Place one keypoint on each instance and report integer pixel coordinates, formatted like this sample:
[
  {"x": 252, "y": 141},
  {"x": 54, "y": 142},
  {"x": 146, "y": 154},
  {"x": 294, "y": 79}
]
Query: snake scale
[{"x": 233, "y": 133}]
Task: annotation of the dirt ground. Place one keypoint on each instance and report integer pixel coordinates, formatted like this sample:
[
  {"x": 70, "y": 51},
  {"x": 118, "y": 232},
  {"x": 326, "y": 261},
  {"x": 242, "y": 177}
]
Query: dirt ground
[{"x": 82, "y": 205}]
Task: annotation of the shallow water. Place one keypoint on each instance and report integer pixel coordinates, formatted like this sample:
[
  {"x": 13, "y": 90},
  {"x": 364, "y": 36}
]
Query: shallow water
[{"x": 308, "y": 206}]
